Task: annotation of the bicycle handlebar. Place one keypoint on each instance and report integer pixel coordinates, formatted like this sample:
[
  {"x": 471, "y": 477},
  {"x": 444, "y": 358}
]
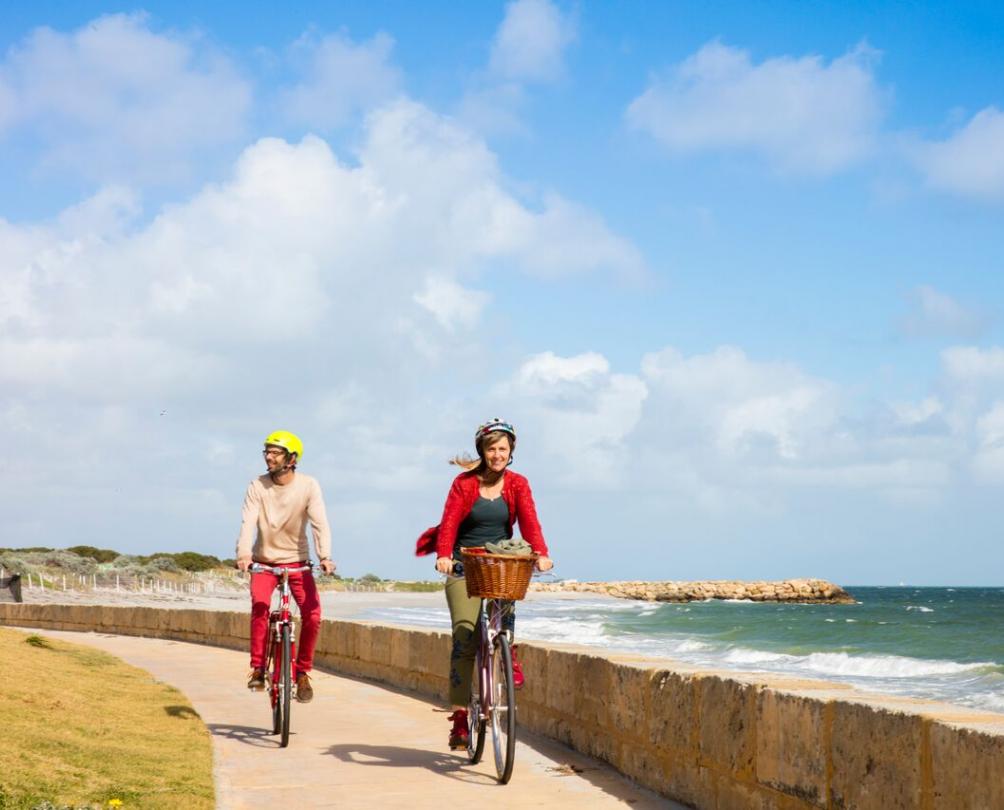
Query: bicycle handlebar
[
  {"x": 260, "y": 568},
  {"x": 458, "y": 571}
]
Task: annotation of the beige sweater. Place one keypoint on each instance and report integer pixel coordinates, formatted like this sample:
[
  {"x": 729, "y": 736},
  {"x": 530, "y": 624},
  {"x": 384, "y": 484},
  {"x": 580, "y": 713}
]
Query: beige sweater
[{"x": 274, "y": 518}]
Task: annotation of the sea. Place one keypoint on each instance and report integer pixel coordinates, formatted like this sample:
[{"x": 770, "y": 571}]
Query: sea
[{"x": 943, "y": 644}]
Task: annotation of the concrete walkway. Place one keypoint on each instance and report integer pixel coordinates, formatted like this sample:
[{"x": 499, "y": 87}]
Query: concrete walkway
[{"x": 357, "y": 745}]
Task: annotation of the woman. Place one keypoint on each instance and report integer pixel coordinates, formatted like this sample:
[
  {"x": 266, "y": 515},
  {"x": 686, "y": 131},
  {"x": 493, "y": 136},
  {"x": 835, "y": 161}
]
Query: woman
[{"x": 483, "y": 504}]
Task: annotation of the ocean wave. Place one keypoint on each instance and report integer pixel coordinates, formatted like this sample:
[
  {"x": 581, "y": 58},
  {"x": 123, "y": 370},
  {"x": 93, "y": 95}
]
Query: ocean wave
[
  {"x": 920, "y": 608},
  {"x": 749, "y": 657},
  {"x": 885, "y": 666}
]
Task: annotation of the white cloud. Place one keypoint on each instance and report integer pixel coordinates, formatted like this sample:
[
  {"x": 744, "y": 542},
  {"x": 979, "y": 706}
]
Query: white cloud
[
  {"x": 341, "y": 79},
  {"x": 988, "y": 459},
  {"x": 531, "y": 41},
  {"x": 766, "y": 411},
  {"x": 547, "y": 369},
  {"x": 971, "y": 161},
  {"x": 936, "y": 314},
  {"x": 803, "y": 114},
  {"x": 528, "y": 48},
  {"x": 910, "y": 414},
  {"x": 114, "y": 99},
  {"x": 450, "y": 304},
  {"x": 971, "y": 364},
  {"x": 242, "y": 305},
  {"x": 577, "y": 410}
]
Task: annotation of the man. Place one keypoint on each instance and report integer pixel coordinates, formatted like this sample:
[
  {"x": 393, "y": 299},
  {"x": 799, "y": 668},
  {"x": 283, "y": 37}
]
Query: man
[{"x": 277, "y": 508}]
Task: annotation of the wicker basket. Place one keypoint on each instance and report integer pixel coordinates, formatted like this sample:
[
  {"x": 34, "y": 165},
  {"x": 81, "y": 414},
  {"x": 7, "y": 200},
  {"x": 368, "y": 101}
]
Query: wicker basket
[{"x": 497, "y": 576}]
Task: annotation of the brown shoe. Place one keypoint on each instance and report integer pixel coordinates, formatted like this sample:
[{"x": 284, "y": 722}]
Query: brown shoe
[
  {"x": 304, "y": 691},
  {"x": 256, "y": 683}
]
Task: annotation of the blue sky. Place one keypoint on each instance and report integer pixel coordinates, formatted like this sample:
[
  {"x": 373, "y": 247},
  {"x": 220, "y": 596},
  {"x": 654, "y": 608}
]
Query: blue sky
[{"x": 734, "y": 271}]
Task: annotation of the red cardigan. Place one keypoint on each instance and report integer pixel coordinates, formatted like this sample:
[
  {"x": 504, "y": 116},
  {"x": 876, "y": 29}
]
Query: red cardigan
[{"x": 463, "y": 493}]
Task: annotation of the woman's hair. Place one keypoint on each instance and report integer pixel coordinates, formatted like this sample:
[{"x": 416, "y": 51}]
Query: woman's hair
[{"x": 478, "y": 464}]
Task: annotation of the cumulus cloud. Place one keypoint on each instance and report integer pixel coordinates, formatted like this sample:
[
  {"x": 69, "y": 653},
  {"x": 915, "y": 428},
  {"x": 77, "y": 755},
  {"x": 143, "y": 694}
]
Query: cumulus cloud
[
  {"x": 935, "y": 314},
  {"x": 115, "y": 99},
  {"x": 334, "y": 296},
  {"x": 528, "y": 48},
  {"x": 530, "y": 43},
  {"x": 766, "y": 411},
  {"x": 727, "y": 434},
  {"x": 451, "y": 304},
  {"x": 577, "y": 408},
  {"x": 803, "y": 114},
  {"x": 970, "y": 162},
  {"x": 340, "y": 79},
  {"x": 971, "y": 365},
  {"x": 988, "y": 459}
]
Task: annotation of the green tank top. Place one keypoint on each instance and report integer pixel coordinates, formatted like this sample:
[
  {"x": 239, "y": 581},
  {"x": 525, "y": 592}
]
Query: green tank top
[{"x": 487, "y": 522}]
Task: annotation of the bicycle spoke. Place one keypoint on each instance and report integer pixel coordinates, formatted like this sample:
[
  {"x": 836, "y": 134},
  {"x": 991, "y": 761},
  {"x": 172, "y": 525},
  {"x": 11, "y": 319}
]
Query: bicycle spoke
[{"x": 503, "y": 709}]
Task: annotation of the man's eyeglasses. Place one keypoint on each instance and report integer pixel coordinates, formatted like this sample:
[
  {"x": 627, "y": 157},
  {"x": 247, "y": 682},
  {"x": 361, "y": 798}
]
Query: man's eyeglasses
[{"x": 272, "y": 452}]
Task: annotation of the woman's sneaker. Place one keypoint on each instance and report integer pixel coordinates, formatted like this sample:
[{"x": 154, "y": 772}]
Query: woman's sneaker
[
  {"x": 517, "y": 670},
  {"x": 458, "y": 734}
]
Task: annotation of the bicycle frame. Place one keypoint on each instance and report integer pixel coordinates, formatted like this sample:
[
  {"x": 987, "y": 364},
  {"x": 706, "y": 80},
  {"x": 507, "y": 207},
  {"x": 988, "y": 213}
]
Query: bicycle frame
[{"x": 489, "y": 626}]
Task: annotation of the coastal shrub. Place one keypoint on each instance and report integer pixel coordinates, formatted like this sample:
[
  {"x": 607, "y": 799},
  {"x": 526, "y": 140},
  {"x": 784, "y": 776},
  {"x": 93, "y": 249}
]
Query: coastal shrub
[
  {"x": 129, "y": 566},
  {"x": 12, "y": 562},
  {"x": 370, "y": 578},
  {"x": 101, "y": 555},
  {"x": 163, "y": 564},
  {"x": 70, "y": 563},
  {"x": 193, "y": 561}
]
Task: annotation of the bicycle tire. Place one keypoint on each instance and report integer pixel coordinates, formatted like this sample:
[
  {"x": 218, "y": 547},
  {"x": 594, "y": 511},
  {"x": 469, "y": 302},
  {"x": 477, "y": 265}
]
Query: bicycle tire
[
  {"x": 503, "y": 710},
  {"x": 273, "y": 689},
  {"x": 285, "y": 684},
  {"x": 476, "y": 730}
]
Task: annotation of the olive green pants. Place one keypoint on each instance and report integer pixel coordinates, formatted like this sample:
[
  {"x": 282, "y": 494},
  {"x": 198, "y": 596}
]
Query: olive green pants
[{"x": 464, "y": 611}]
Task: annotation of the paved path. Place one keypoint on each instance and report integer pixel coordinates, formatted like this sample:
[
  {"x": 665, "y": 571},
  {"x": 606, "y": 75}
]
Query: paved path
[{"x": 357, "y": 745}]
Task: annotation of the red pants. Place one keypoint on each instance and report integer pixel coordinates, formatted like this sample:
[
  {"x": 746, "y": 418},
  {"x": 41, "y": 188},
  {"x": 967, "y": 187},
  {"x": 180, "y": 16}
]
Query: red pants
[{"x": 304, "y": 591}]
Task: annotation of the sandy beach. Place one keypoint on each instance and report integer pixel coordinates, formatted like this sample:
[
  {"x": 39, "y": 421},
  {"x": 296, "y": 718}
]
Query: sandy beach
[{"x": 334, "y": 604}]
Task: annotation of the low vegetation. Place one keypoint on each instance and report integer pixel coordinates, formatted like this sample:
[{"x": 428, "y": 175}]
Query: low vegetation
[
  {"x": 85, "y": 730},
  {"x": 79, "y": 565}
]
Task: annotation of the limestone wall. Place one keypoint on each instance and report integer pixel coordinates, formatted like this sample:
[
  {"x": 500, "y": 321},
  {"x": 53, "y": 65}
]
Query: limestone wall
[
  {"x": 788, "y": 590},
  {"x": 711, "y": 740}
]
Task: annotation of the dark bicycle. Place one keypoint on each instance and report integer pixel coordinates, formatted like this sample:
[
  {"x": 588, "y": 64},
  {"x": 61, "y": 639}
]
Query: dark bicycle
[
  {"x": 497, "y": 579},
  {"x": 281, "y": 666}
]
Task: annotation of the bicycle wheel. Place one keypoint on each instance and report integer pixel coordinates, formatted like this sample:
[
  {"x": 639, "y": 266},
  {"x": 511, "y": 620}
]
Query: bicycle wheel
[
  {"x": 475, "y": 714},
  {"x": 503, "y": 709},
  {"x": 273, "y": 679},
  {"x": 285, "y": 684}
]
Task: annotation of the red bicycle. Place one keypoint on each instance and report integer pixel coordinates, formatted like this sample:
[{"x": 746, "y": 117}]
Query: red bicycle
[{"x": 281, "y": 666}]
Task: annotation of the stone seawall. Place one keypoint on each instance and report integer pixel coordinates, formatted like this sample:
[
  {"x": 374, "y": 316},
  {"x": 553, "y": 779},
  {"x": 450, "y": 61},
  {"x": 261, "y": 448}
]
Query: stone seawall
[
  {"x": 708, "y": 739},
  {"x": 788, "y": 590}
]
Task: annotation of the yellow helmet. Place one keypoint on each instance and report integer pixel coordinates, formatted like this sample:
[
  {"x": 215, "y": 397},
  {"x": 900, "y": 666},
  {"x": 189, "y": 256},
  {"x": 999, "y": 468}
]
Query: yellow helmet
[{"x": 289, "y": 442}]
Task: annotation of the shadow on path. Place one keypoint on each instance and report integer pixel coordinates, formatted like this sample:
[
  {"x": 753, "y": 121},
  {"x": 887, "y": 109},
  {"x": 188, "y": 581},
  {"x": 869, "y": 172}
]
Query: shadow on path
[
  {"x": 391, "y": 756},
  {"x": 254, "y": 736}
]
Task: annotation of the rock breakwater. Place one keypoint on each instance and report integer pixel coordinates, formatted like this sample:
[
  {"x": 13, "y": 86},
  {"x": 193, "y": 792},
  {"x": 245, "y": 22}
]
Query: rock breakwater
[{"x": 789, "y": 590}]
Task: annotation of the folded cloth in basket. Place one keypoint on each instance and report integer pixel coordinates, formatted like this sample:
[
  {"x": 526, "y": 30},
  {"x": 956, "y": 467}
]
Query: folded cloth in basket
[{"x": 517, "y": 547}]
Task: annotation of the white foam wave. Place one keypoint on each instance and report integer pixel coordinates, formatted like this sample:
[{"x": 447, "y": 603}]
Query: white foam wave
[
  {"x": 884, "y": 666},
  {"x": 920, "y": 608},
  {"x": 748, "y": 657}
]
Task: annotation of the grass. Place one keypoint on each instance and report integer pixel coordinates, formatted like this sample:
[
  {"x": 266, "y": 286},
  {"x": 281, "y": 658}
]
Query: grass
[{"x": 82, "y": 729}]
